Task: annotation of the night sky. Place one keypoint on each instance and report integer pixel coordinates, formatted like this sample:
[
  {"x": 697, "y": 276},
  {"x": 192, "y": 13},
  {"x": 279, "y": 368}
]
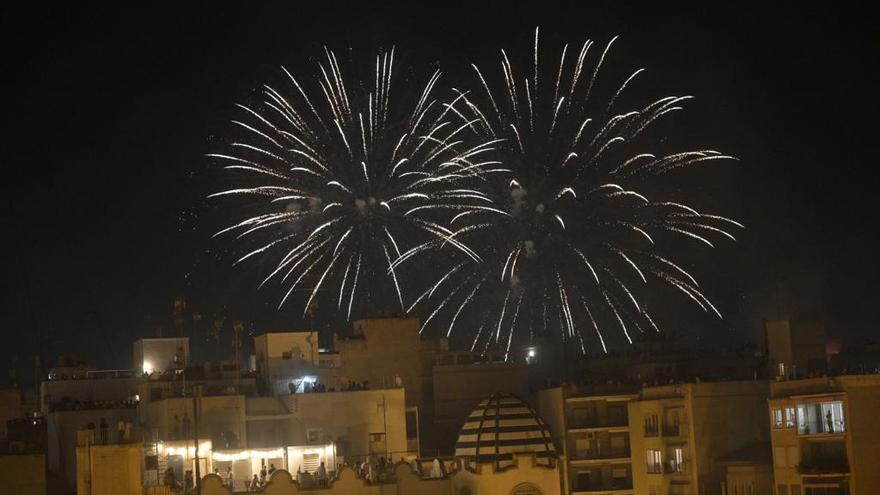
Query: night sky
[{"x": 107, "y": 115}]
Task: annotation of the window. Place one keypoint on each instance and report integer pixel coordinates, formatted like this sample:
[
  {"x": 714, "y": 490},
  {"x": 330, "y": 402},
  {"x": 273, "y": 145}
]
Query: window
[
  {"x": 377, "y": 443},
  {"x": 781, "y": 489},
  {"x": 777, "y": 418},
  {"x": 655, "y": 461},
  {"x": 821, "y": 417},
  {"x": 795, "y": 489},
  {"x": 789, "y": 417},
  {"x": 617, "y": 415},
  {"x": 676, "y": 459},
  {"x": 651, "y": 425},
  {"x": 311, "y": 462},
  {"x": 313, "y": 435}
]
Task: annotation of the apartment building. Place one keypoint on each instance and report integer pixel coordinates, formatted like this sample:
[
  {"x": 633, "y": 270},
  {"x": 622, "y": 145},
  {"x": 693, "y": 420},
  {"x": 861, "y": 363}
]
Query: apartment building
[
  {"x": 591, "y": 428},
  {"x": 824, "y": 433},
  {"x": 682, "y": 436}
]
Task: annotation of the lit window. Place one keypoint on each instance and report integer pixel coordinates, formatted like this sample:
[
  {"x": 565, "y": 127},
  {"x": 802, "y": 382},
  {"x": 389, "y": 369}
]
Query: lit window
[
  {"x": 789, "y": 417},
  {"x": 655, "y": 461},
  {"x": 777, "y": 418}
]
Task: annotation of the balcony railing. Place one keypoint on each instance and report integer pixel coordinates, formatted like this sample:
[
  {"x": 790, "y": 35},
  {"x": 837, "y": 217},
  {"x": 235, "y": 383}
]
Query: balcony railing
[
  {"x": 616, "y": 484},
  {"x": 672, "y": 430},
  {"x": 824, "y": 465},
  {"x": 598, "y": 423},
  {"x": 821, "y": 427},
  {"x": 586, "y": 455},
  {"x": 672, "y": 467}
]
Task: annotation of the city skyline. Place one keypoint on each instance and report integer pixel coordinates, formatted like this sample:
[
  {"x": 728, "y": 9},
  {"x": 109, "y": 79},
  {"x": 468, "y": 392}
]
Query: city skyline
[{"x": 111, "y": 120}]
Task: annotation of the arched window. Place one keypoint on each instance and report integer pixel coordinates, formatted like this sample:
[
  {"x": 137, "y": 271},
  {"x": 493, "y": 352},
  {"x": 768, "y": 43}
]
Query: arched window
[{"x": 525, "y": 489}]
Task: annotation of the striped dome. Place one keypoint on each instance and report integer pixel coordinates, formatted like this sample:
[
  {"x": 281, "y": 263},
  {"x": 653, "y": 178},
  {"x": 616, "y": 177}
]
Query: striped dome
[{"x": 501, "y": 426}]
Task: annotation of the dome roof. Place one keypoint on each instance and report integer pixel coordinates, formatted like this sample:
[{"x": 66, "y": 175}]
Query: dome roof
[{"x": 501, "y": 426}]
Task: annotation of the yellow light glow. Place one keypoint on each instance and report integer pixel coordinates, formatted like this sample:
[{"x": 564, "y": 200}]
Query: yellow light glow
[
  {"x": 248, "y": 454},
  {"x": 148, "y": 367}
]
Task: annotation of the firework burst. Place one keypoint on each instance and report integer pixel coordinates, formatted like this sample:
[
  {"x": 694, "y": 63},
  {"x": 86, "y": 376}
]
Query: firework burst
[
  {"x": 578, "y": 245},
  {"x": 334, "y": 175}
]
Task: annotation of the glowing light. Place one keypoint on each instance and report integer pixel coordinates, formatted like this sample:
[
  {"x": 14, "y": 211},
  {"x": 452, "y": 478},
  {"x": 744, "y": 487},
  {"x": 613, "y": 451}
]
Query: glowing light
[
  {"x": 324, "y": 160},
  {"x": 562, "y": 193},
  {"x": 248, "y": 454},
  {"x": 148, "y": 368}
]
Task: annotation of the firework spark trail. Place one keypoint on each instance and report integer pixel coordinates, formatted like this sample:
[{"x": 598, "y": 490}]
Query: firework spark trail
[
  {"x": 333, "y": 180},
  {"x": 571, "y": 215}
]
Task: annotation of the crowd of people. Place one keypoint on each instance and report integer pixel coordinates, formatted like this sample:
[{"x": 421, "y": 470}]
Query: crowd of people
[
  {"x": 68, "y": 404},
  {"x": 124, "y": 431},
  {"x": 317, "y": 387}
]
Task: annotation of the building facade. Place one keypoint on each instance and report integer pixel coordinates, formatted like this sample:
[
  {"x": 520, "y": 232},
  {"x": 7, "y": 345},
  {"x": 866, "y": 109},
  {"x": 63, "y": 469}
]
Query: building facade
[
  {"x": 680, "y": 434},
  {"x": 593, "y": 436},
  {"x": 825, "y": 435}
]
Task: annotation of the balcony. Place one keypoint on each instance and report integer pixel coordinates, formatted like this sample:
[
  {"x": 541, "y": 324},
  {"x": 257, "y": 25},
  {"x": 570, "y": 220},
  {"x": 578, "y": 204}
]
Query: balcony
[
  {"x": 673, "y": 430},
  {"x": 601, "y": 454},
  {"x": 609, "y": 423},
  {"x": 673, "y": 467},
  {"x": 836, "y": 427},
  {"x": 824, "y": 465},
  {"x": 617, "y": 485}
]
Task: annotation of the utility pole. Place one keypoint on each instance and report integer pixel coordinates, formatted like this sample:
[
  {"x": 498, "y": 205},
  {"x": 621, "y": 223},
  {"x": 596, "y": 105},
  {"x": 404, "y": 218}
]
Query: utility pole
[
  {"x": 237, "y": 328},
  {"x": 197, "y": 395}
]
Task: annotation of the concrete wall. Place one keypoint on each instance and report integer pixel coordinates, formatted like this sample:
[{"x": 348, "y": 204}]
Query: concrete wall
[
  {"x": 459, "y": 388},
  {"x": 217, "y": 415},
  {"x": 109, "y": 470},
  {"x": 863, "y": 408},
  {"x": 349, "y": 417},
  {"x": 10, "y": 408},
  {"x": 551, "y": 408},
  {"x": 526, "y": 474},
  {"x": 726, "y": 417},
  {"x": 406, "y": 482},
  {"x": 719, "y": 418},
  {"x": 796, "y": 344},
  {"x": 23, "y": 474},
  {"x": 383, "y": 348},
  {"x": 62, "y": 428}
]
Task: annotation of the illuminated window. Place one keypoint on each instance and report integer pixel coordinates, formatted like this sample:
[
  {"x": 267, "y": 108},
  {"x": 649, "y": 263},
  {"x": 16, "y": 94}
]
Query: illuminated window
[
  {"x": 655, "y": 461},
  {"x": 311, "y": 462},
  {"x": 676, "y": 459},
  {"x": 789, "y": 417},
  {"x": 777, "y": 419}
]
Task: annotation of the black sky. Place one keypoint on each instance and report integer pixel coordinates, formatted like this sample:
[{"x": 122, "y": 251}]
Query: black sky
[{"x": 107, "y": 114}]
